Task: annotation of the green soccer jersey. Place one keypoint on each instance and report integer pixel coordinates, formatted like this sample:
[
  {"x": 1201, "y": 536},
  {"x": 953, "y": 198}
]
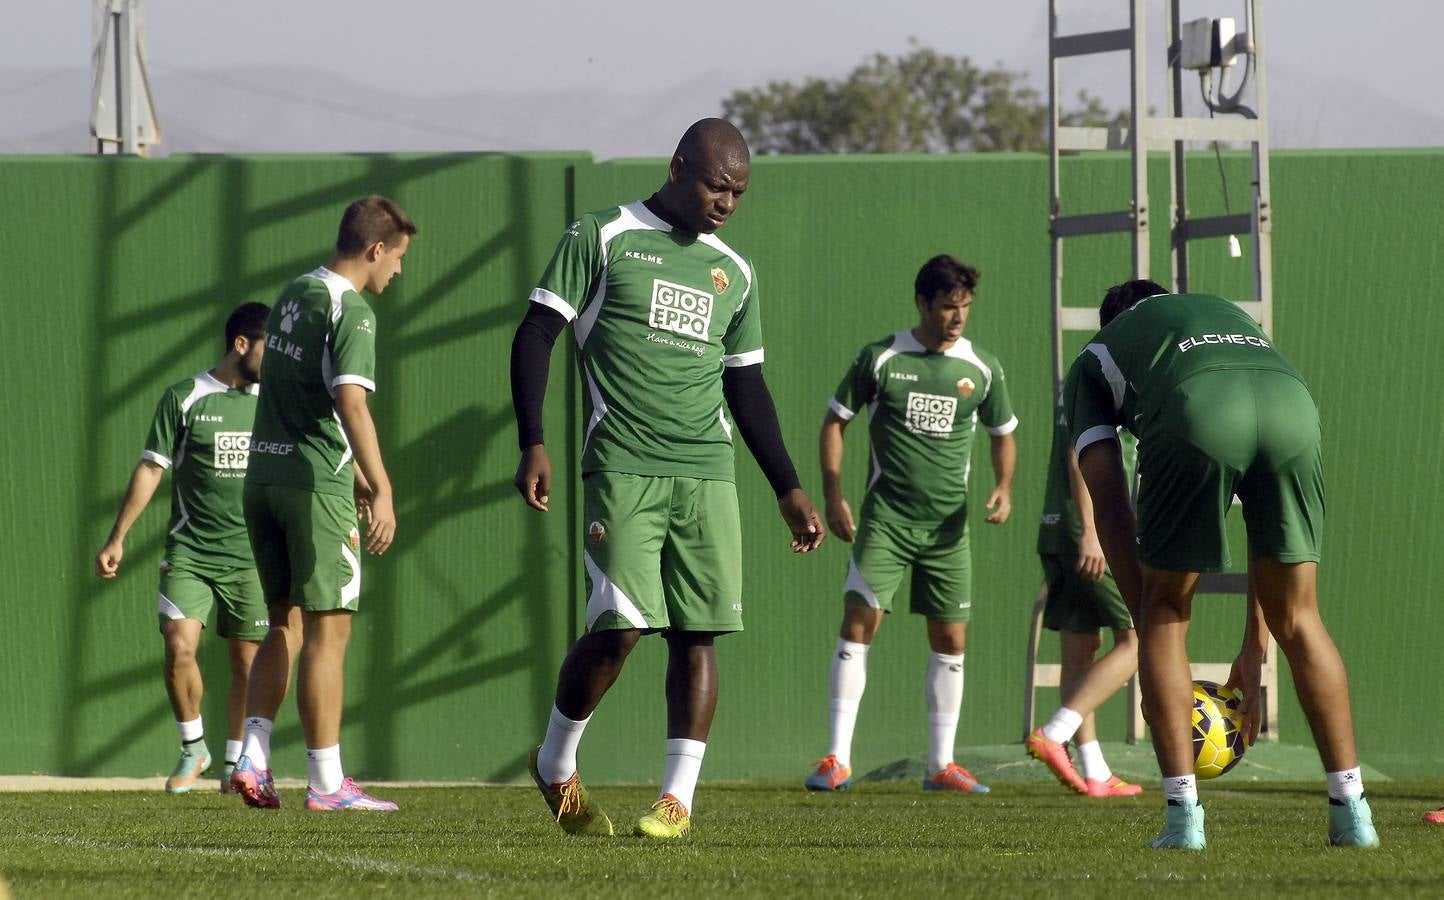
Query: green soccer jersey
[
  {"x": 657, "y": 315},
  {"x": 1060, "y": 529},
  {"x": 202, "y": 433},
  {"x": 321, "y": 335},
  {"x": 922, "y": 410},
  {"x": 1129, "y": 369}
]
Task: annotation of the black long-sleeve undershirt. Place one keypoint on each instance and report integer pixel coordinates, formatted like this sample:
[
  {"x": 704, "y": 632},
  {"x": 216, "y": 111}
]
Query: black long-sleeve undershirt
[
  {"x": 531, "y": 358},
  {"x": 743, "y": 388},
  {"x": 756, "y": 417}
]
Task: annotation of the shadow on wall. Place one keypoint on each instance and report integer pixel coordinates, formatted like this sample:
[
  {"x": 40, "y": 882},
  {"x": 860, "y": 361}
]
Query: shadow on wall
[{"x": 452, "y": 475}]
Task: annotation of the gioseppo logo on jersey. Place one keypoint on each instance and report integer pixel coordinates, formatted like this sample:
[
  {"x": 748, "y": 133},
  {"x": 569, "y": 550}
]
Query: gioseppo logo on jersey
[
  {"x": 930, "y": 413},
  {"x": 1246, "y": 340},
  {"x": 680, "y": 309},
  {"x": 233, "y": 449}
]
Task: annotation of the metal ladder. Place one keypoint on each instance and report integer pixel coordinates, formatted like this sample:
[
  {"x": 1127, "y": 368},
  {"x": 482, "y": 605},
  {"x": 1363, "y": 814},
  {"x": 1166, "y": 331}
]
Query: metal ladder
[{"x": 1170, "y": 133}]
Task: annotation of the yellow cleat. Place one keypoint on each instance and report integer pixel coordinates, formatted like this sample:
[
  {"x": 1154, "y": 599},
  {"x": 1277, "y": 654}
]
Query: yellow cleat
[
  {"x": 571, "y": 804},
  {"x": 667, "y": 820}
]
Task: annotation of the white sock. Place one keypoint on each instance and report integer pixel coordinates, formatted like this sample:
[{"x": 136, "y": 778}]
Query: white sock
[
  {"x": 257, "y": 743},
  {"x": 191, "y": 731},
  {"x": 1183, "y": 788},
  {"x": 945, "y": 699},
  {"x": 323, "y": 768},
  {"x": 1095, "y": 767},
  {"x": 684, "y": 764},
  {"x": 1345, "y": 785},
  {"x": 1064, "y": 724},
  {"x": 233, "y": 752},
  {"x": 845, "y": 683},
  {"x": 557, "y": 760}
]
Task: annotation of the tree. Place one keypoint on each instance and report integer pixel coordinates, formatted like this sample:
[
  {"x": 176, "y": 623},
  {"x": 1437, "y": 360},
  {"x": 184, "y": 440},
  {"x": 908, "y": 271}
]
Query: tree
[{"x": 919, "y": 102}]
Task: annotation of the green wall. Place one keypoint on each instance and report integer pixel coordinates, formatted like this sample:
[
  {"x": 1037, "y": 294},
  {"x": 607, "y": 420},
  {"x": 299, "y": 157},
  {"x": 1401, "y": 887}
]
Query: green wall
[{"x": 119, "y": 274}]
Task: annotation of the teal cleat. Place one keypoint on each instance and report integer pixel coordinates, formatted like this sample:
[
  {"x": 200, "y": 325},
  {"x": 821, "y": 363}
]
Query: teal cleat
[
  {"x": 1182, "y": 828},
  {"x": 1351, "y": 823}
]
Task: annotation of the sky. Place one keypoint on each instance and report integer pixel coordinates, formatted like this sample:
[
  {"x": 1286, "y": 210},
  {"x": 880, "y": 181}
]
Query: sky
[{"x": 1322, "y": 52}]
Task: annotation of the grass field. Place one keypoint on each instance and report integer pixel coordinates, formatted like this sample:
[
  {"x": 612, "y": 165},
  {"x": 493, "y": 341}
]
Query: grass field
[{"x": 882, "y": 839}]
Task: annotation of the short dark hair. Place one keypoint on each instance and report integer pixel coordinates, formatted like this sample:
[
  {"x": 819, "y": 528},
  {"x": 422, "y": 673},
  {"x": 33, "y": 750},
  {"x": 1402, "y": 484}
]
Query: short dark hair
[
  {"x": 247, "y": 320},
  {"x": 369, "y": 220},
  {"x": 944, "y": 274},
  {"x": 1123, "y": 296}
]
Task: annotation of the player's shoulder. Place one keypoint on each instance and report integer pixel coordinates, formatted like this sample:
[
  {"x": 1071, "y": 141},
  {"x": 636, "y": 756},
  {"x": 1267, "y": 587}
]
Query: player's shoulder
[
  {"x": 888, "y": 345},
  {"x": 177, "y": 393},
  {"x": 981, "y": 353}
]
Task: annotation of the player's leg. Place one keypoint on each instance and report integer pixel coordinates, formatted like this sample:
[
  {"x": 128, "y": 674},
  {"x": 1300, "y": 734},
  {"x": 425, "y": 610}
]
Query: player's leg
[
  {"x": 270, "y": 674},
  {"x": 185, "y": 688},
  {"x": 875, "y": 567},
  {"x": 1283, "y": 502},
  {"x": 1099, "y": 673},
  {"x": 942, "y": 592},
  {"x": 626, "y": 518},
  {"x": 242, "y": 619},
  {"x": 691, "y": 690},
  {"x": 1063, "y": 612},
  {"x": 184, "y": 604},
  {"x": 701, "y": 574}
]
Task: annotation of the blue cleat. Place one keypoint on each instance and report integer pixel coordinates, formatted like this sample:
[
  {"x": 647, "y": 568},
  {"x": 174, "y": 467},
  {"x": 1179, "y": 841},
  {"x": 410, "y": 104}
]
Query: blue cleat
[
  {"x": 1351, "y": 823},
  {"x": 1182, "y": 827}
]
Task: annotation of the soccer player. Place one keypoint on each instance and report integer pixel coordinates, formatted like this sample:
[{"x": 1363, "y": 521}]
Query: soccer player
[
  {"x": 1218, "y": 412},
  {"x": 668, "y": 327},
  {"x": 301, "y": 498},
  {"x": 202, "y": 428},
  {"x": 1082, "y": 599},
  {"x": 925, "y": 389}
]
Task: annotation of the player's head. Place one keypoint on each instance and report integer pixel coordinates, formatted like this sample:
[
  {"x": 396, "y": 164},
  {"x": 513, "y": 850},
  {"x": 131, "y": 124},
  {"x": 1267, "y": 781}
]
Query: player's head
[
  {"x": 1121, "y": 297},
  {"x": 376, "y": 232},
  {"x": 707, "y": 175},
  {"x": 943, "y": 292},
  {"x": 246, "y": 338}
]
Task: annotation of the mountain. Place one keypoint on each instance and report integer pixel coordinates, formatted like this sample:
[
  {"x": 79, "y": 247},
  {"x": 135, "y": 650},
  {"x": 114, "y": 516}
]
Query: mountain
[{"x": 271, "y": 110}]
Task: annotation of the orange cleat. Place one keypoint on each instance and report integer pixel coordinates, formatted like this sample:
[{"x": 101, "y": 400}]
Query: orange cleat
[{"x": 1055, "y": 756}]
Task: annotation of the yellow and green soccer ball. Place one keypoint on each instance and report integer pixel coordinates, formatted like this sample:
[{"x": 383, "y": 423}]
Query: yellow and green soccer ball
[{"x": 1218, "y": 742}]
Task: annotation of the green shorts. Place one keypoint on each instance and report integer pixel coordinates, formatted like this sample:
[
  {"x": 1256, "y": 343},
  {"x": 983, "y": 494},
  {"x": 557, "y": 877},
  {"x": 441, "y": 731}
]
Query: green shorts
[
  {"x": 661, "y": 553},
  {"x": 1076, "y": 603},
  {"x": 942, "y": 576},
  {"x": 1247, "y": 432},
  {"x": 307, "y": 547},
  {"x": 188, "y": 590}
]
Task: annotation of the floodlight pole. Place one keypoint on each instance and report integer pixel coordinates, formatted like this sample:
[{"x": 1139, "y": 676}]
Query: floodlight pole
[{"x": 124, "y": 24}]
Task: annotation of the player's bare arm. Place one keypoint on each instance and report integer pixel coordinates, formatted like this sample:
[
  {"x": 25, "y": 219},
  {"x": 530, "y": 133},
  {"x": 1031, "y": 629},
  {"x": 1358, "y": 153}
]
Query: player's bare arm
[
  {"x": 360, "y": 429},
  {"x": 1091, "y": 564},
  {"x": 1246, "y": 674},
  {"x": 830, "y": 450},
  {"x": 143, "y": 483},
  {"x": 1101, "y": 464},
  {"x": 1004, "y": 451}
]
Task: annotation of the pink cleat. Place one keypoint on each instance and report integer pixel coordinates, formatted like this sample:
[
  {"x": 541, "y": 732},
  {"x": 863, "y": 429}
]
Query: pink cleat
[
  {"x": 1113, "y": 787},
  {"x": 255, "y": 785},
  {"x": 1436, "y": 817},
  {"x": 350, "y": 796},
  {"x": 1055, "y": 756}
]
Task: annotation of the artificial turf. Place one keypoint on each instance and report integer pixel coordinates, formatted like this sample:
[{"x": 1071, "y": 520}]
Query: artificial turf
[{"x": 881, "y": 839}]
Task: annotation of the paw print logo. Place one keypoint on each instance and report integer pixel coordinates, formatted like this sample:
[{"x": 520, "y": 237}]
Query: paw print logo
[{"x": 288, "y": 315}]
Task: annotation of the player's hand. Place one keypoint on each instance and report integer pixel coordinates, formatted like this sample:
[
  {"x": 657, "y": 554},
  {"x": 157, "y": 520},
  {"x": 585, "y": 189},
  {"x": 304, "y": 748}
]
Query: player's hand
[
  {"x": 534, "y": 477},
  {"x": 382, "y": 516},
  {"x": 1245, "y": 675},
  {"x": 839, "y": 519},
  {"x": 802, "y": 520},
  {"x": 107, "y": 562},
  {"x": 1000, "y": 501},
  {"x": 363, "y": 502},
  {"x": 1091, "y": 563}
]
